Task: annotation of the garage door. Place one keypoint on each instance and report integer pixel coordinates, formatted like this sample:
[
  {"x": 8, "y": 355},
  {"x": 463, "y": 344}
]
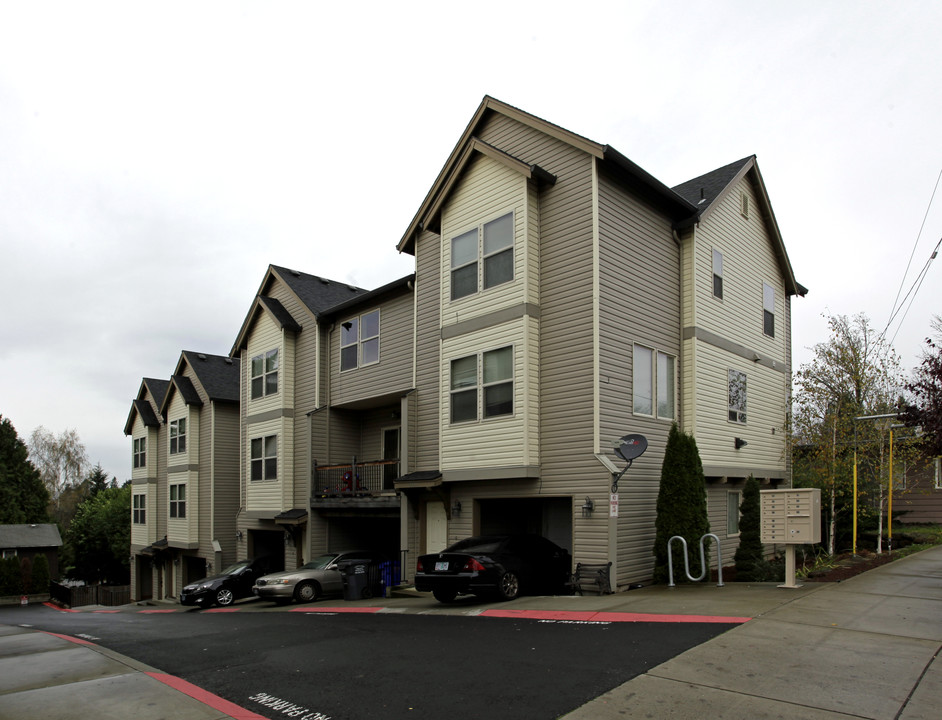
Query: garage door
[{"x": 549, "y": 517}]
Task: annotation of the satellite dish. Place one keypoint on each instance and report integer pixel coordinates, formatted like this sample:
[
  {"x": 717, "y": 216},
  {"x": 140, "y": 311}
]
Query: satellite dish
[{"x": 631, "y": 446}]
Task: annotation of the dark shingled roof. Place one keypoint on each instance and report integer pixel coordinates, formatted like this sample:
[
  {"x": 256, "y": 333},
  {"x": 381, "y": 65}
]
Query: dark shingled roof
[
  {"x": 29, "y": 536},
  {"x": 157, "y": 389},
  {"x": 317, "y": 293},
  {"x": 280, "y": 313},
  {"x": 404, "y": 284},
  {"x": 146, "y": 411},
  {"x": 703, "y": 190},
  {"x": 185, "y": 387},
  {"x": 218, "y": 374}
]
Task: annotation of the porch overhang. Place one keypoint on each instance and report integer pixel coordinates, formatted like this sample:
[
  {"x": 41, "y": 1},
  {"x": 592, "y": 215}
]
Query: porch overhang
[
  {"x": 422, "y": 480},
  {"x": 293, "y": 517}
]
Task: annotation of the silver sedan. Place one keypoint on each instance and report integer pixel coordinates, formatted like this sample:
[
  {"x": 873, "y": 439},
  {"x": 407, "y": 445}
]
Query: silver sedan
[{"x": 321, "y": 576}]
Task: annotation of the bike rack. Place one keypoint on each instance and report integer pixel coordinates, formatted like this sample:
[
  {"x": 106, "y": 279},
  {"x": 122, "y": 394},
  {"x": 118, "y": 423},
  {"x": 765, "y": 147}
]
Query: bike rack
[{"x": 703, "y": 564}]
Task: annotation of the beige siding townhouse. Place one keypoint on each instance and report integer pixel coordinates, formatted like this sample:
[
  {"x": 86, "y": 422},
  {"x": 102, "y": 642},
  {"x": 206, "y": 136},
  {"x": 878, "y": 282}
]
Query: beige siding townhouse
[
  {"x": 146, "y": 429},
  {"x": 281, "y": 345},
  {"x": 552, "y": 275}
]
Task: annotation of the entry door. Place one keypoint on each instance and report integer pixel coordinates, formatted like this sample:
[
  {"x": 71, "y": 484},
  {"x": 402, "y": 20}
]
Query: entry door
[{"x": 436, "y": 527}]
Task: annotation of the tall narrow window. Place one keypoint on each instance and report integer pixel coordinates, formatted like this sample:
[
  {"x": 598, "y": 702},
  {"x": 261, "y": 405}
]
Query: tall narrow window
[
  {"x": 665, "y": 386},
  {"x": 491, "y": 244},
  {"x": 937, "y": 462},
  {"x": 717, "y": 274},
  {"x": 359, "y": 341},
  {"x": 178, "y": 501},
  {"x": 737, "y": 396},
  {"x": 768, "y": 309},
  {"x": 139, "y": 509},
  {"x": 499, "y": 382},
  {"x": 265, "y": 374},
  {"x": 643, "y": 380},
  {"x": 264, "y": 460},
  {"x": 464, "y": 389},
  {"x": 177, "y": 436},
  {"x": 140, "y": 452},
  {"x": 733, "y": 501}
]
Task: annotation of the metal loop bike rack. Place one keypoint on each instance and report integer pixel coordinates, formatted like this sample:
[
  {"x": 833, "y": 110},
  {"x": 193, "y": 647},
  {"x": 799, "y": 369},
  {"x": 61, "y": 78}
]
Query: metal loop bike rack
[{"x": 703, "y": 563}]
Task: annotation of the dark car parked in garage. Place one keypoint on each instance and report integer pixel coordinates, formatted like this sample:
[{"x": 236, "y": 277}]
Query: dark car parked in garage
[
  {"x": 225, "y": 588},
  {"x": 501, "y": 565}
]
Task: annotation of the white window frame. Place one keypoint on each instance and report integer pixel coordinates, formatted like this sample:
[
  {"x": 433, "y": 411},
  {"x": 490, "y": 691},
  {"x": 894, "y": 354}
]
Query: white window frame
[
  {"x": 732, "y": 512},
  {"x": 356, "y": 335},
  {"x": 263, "y": 454},
  {"x": 177, "y": 505},
  {"x": 177, "y": 436},
  {"x": 139, "y": 452},
  {"x": 481, "y": 385},
  {"x": 139, "y": 508},
  {"x": 737, "y": 408},
  {"x": 717, "y": 274},
  {"x": 483, "y": 257},
  {"x": 768, "y": 309},
  {"x": 264, "y": 369},
  {"x": 659, "y": 380}
]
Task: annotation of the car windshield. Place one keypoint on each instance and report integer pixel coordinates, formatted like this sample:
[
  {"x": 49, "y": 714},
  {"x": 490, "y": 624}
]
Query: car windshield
[
  {"x": 319, "y": 563},
  {"x": 476, "y": 545},
  {"x": 234, "y": 569}
]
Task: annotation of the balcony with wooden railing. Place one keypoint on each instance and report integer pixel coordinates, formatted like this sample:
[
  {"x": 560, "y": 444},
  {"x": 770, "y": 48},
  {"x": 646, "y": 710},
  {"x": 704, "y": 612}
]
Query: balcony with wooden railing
[{"x": 368, "y": 483}]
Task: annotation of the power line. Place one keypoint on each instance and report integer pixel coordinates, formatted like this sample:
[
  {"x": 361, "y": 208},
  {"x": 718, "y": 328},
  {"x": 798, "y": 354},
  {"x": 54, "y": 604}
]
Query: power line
[{"x": 919, "y": 278}]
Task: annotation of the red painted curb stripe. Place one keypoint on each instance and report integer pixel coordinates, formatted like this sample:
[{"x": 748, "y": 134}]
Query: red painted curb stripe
[
  {"x": 336, "y": 609},
  {"x": 56, "y": 607},
  {"x": 218, "y": 610},
  {"x": 77, "y": 641},
  {"x": 589, "y": 616},
  {"x": 207, "y": 698},
  {"x": 155, "y": 612}
]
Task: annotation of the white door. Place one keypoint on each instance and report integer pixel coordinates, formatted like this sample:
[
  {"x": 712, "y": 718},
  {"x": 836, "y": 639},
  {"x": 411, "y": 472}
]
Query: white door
[{"x": 436, "y": 527}]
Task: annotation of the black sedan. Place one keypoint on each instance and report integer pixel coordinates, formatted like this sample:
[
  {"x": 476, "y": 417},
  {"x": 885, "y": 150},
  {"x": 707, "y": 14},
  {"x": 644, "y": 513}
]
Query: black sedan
[
  {"x": 225, "y": 588},
  {"x": 500, "y": 565}
]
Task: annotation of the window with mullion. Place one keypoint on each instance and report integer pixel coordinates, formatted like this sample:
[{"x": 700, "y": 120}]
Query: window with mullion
[
  {"x": 178, "y": 501},
  {"x": 717, "y": 274},
  {"x": 490, "y": 245},
  {"x": 265, "y": 374},
  {"x": 464, "y": 389},
  {"x": 768, "y": 309},
  {"x": 139, "y": 509},
  {"x": 498, "y": 382},
  {"x": 495, "y": 385},
  {"x": 359, "y": 341},
  {"x": 498, "y": 251},
  {"x": 653, "y": 383},
  {"x": 264, "y": 460},
  {"x": 178, "y": 436},
  {"x": 140, "y": 452}
]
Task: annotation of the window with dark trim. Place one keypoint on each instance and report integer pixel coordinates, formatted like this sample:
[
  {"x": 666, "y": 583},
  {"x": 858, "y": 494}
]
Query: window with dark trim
[
  {"x": 140, "y": 452},
  {"x": 139, "y": 509},
  {"x": 737, "y": 396}
]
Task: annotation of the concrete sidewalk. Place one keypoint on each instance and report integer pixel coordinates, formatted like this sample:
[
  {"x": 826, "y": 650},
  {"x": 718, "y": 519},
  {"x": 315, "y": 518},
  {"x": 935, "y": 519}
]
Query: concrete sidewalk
[{"x": 867, "y": 648}]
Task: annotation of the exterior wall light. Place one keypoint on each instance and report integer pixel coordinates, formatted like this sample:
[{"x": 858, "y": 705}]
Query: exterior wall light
[
  {"x": 456, "y": 508},
  {"x": 587, "y": 507}
]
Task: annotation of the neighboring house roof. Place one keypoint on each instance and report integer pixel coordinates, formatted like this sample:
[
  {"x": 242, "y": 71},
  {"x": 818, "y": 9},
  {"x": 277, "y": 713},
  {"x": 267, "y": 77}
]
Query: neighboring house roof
[
  {"x": 404, "y": 284},
  {"x": 140, "y": 406},
  {"x": 29, "y": 536},
  {"x": 183, "y": 385},
  {"x": 218, "y": 374},
  {"x": 315, "y": 293},
  {"x": 630, "y": 174},
  {"x": 707, "y": 190}
]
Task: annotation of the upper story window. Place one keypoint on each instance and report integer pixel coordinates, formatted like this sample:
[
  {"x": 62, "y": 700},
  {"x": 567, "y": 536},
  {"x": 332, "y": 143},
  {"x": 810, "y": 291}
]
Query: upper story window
[
  {"x": 178, "y": 500},
  {"x": 654, "y": 383},
  {"x": 178, "y": 436},
  {"x": 768, "y": 310},
  {"x": 265, "y": 374},
  {"x": 264, "y": 460},
  {"x": 717, "y": 274},
  {"x": 140, "y": 452},
  {"x": 359, "y": 341},
  {"x": 737, "y": 396},
  {"x": 482, "y": 258},
  {"x": 139, "y": 509},
  {"x": 494, "y": 383}
]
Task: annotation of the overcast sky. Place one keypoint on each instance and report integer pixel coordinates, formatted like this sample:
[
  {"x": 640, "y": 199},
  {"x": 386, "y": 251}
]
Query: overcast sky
[{"x": 154, "y": 159}]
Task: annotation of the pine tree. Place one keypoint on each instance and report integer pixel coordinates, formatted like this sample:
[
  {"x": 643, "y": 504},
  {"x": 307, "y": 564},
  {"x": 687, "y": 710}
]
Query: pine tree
[
  {"x": 681, "y": 506},
  {"x": 23, "y": 497},
  {"x": 750, "y": 556}
]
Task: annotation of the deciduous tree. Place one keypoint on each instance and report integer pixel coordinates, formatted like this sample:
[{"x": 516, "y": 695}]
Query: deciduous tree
[
  {"x": 62, "y": 463},
  {"x": 925, "y": 388}
]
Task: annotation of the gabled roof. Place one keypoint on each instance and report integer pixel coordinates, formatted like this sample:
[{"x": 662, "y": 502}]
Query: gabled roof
[
  {"x": 709, "y": 189},
  {"x": 183, "y": 385},
  {"x": 405, "y": 284},
  {"x": 315, "y": 293},
  {"x": 628, "y": 172},
  {"x": 141, "y": 406},
  {"x": 217, "y": 374},
  {"x": 28, "y": 536}
]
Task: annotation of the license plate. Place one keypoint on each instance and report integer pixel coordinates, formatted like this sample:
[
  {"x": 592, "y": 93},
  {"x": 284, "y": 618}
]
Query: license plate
[{"x": 441, "y": 566}]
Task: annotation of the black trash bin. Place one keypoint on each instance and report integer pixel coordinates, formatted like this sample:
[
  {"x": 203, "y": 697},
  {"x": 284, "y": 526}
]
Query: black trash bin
[{"x": 357, "y": 580}]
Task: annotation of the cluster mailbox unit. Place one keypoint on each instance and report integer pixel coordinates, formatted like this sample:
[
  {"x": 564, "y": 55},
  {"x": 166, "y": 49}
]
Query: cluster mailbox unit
[{"x": 791, "y": 517}]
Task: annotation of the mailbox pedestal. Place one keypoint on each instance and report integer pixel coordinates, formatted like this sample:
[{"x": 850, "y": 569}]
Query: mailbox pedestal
[{"x": 791, "y": 517}]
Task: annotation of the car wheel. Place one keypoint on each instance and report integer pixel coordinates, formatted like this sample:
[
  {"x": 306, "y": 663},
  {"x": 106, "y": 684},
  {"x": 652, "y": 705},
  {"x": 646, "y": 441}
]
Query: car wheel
[
  {"x": 224, "y": 597},
  {"x": 444, "y": 596},
  {"x": 306, "y": 592},
  {"x": 508, "y": 587}
]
